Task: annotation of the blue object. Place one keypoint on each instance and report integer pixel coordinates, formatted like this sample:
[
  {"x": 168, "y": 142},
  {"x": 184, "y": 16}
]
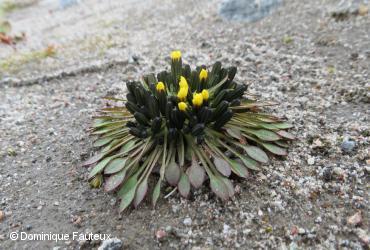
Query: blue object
[
  {"x": 247, "y": 10},
  {"x": 67, "y": 3}
]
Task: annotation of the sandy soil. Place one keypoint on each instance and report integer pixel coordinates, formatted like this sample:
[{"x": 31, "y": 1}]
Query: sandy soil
[{"x": 317, "y": 68}]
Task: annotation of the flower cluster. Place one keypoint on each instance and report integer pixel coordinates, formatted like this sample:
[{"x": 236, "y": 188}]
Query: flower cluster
[{"x": 186, "y": 125}]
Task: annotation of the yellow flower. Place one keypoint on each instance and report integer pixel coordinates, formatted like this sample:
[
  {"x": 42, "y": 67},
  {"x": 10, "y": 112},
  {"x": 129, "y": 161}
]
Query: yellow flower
[
  {"x": 183, "y": 83},
  {"x": 160, "y": 86},
  {"x": 197, "y": 99},
  {"x": 182, "y": 106},
  {"x": 176, "y": 55},
  {"x": 182, "y": 94},
  {"x": 205, "y": 94},
  {"x": 203, "y": 75}
]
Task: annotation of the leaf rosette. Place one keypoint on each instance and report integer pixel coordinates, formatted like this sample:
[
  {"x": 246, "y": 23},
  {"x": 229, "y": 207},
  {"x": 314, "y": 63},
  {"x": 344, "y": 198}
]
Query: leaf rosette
[{"x": 185, "y": 128}]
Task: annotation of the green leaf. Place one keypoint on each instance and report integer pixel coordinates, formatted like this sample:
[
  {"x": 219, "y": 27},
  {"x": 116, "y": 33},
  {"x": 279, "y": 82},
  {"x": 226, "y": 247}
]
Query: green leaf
[
  {"x": 229, "y": 185},
  {"x": 283, "y": 125},
  {"x": 219, "y": 188},
  {"x": 184, "y": 185},
  {"x": 130, "y": 183},
  {"x": 257, "y": 154},
  {"x": 249, "y": 163},
  {"x": 196, "y": 175},
  {"x": 127, "y": 192},
  {"x": 115, "y": 166},
  {"x": 264, "y": 134},
  {"x": 238, "y": 168},
  {"x": 222, "y": 166},
  {"x": 236, "y": 133},
  {"x": 270, "y": 126},
  {"x": 127, "y": 199},
  {"x": 156, "y": 192},
  {"x": 215, "y": 87},
  {"x": 275, "y": 149},
  {"x": 141, "y": 192},
  {"x": 103, "y": 141},
  {"x": 93, "y": 159},
  {"x": 172, "y": 173},
  {"x": 114, "y": 181},
  {"x": 127, "y": 147},
  {"x": 181, "y": 152},
  {"x": 107, "y": 129},
  {"x": 286, "y": 134},
  {"x": 99, "y": 167},
  {"x": 101, "y": 123},
  {"x": 282, "y": 144}
]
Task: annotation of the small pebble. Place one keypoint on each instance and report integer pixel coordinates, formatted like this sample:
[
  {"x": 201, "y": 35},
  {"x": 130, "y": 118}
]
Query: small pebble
[
  {"x": 187, "y": 221},
  {"x": 348, "y": 145},
  {"x": 311, "y": 161},
  {"x": 160, "y": 234},
  {"x": 111, "y": 244},
  {"x": 355, "y": 219}
]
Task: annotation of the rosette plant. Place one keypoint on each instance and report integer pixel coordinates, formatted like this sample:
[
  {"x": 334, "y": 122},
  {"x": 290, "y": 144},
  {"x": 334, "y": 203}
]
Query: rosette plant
[{"x": 185, "y": 128}]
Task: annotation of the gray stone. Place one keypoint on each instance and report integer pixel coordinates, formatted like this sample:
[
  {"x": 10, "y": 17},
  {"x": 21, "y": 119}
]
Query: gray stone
[
  {"x": 188, "y": 221},
  {"x": 348, "y": 145},
  {"x": 344, "y": 9},
  {"x": 111, "y": 244},
  {"x": 247, "y": 10}
]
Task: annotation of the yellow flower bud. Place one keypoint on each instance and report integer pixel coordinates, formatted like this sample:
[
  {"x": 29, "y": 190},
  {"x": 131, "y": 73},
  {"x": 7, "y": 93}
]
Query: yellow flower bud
[
  {"x": 160, "y": 86},
  {"x": 197, "y": 100},
  {"x": 203, "y": 75},
  {"x": 176, "y": 55},
  {"x": 183, "y": 83},
  {"x": 205, "y": 94},
  {"x": 182, "y": 94},
  {"x": 97, "y": 181},
  {"x": 182, "y": 106}
]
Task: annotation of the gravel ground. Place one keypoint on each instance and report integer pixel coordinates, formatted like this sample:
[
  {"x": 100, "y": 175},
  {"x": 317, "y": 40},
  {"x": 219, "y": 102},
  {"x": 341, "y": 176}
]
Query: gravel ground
[{"x": 315, "y": 66}]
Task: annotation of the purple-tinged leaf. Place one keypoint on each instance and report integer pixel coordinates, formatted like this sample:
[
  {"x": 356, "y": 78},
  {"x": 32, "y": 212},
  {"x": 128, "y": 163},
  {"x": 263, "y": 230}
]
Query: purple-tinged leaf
[
  {"x": 114, "y": 181},
  {"x": 141, "y": 192},
  {"x": 230, "y": 187},
  {"x": 286, "y": 134},
  {"x": 219, "y": 188},
  {"x": 222, "y": 166},
  {"x": 93, "y": 160},
  {"x": 196, "y": 175},
  {"x": 172, "y": 173}
]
